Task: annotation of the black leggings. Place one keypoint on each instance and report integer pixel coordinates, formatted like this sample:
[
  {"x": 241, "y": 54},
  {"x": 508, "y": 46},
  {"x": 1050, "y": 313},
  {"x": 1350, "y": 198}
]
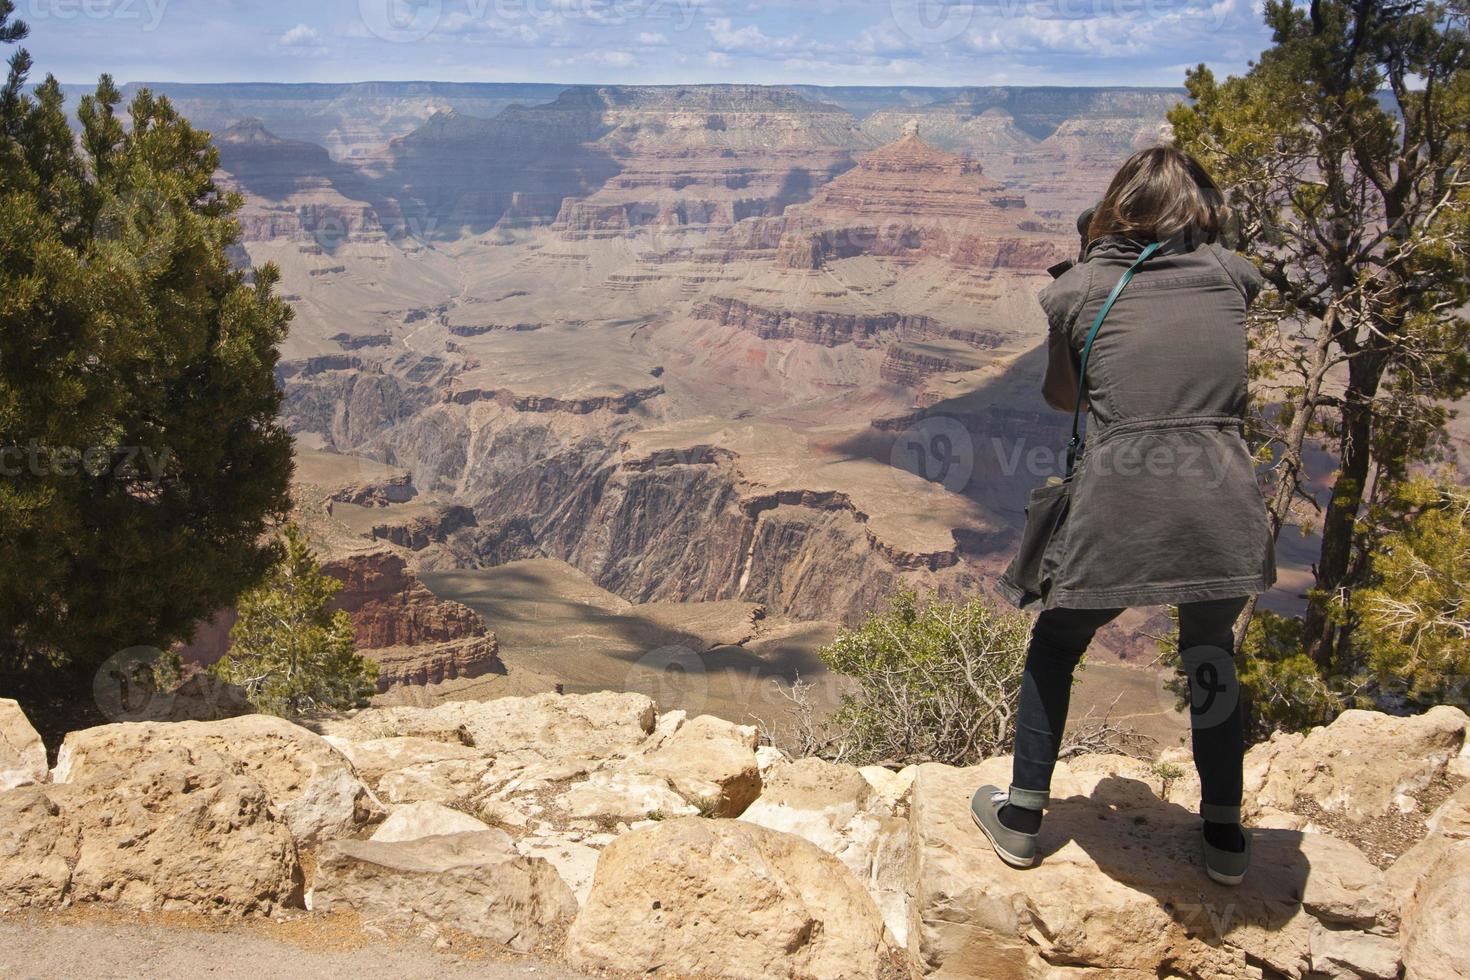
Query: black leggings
[{"x": 1059, "y": 639}]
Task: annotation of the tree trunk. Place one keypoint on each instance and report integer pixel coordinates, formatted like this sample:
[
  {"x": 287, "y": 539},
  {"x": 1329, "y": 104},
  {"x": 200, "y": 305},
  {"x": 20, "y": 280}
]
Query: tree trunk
[{"x": 1319, "y": 631}]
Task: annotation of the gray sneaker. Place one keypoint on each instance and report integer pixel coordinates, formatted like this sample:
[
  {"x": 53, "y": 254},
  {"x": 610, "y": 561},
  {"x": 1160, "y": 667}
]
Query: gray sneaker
[
  {"x": 1227, "y": 867},
  {"x": 1015, "y": 848}
]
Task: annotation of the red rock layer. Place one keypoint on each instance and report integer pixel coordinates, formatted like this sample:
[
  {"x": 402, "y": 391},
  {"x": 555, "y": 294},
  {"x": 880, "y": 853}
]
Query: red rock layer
[{"x": 415, "y": 637}]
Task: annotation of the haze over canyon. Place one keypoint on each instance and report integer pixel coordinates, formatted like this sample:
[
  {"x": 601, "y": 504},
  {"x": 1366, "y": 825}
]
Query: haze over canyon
[{"x": 709, "y": 369}]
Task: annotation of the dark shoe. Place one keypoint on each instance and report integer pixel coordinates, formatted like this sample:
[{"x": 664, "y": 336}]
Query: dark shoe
[
  {"x": 1015, "y": 848},
  {"x": 1227, "y": 867}
]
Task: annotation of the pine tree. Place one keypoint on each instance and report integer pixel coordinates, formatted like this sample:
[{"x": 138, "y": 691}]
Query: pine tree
[
  {"x": 1345, "y": 151},
  {"x": 289, "y": 651},
  {"x": 141, "y": 461}
]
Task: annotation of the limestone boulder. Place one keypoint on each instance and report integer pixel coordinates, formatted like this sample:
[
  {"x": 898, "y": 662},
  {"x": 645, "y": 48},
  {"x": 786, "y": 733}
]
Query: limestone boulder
[
  {"x": 181, "y": 829},
  {"x": 334, "y": 803},
  {"x": 1354, "y": 955},
  {"x": 1120, "y": 887},
  {"x": 394, "y": 721},
  {"x": 1447, "y": 826},
  {"x": 892, "y": 787},
  {"x": 723, "y": 898},
  {"x": 1363, "y": 765},
  {"x": 585, "y": 725},
  {"x": 573, "y": 854},
  {"x": 445, "y": 781},
  {"x": 178, "y": 829},
  {"x": 375, "y": 758},
  {"x": 312, "y": 784},
  {"x": 1436, "y": 928},
  {"x": 614, "y": 795},
  {"x": 473, "y": 882},
  {"x": 38, "y": 846},
  {"x": 426, "y": 819},
  {"x": 1435, "y": 918},
  {"x": 22, "y": 755},
  {"x": 710, "y": 762},
  {"x": 837, "y": 808},
  {"x": 768, "y": 756},
  {"x": 595, "y": 725}
]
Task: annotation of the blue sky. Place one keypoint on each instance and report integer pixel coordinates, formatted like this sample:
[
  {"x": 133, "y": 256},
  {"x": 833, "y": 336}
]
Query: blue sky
[{"x": 833, "y": 42}]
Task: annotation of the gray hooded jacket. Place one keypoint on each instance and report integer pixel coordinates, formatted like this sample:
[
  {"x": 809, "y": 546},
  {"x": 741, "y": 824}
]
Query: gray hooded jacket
[{"x": 1165, "y": 505}]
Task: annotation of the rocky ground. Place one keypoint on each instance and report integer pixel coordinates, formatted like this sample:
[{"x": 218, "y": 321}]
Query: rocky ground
[{"x": 543, "y": 835}]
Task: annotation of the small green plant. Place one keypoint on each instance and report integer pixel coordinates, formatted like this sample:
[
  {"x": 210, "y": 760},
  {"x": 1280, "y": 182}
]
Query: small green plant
[
  {"x": 288, "y": 650},
  {"x": 1167, "y": 773}
]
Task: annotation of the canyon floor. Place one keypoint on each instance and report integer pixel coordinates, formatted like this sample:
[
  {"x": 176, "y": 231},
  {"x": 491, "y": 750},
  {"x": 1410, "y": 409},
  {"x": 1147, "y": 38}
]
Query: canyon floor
[{"x": 714, "y": 658}]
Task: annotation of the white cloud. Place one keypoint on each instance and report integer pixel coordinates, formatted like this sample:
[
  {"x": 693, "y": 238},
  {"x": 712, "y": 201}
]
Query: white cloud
[
  {"x": 728, "y": 37},
  {"x": 652, "y": 39},
  {"x": 609, "y": 59},
  {"x": 301, "y": 36},
  {"x": 717, "y": 59}
]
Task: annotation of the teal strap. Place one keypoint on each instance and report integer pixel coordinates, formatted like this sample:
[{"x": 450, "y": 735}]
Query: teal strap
[{"x": 1074, "y": 448}]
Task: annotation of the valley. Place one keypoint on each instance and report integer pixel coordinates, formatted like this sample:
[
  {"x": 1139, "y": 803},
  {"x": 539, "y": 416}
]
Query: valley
[{"x": 703, "y": 368}]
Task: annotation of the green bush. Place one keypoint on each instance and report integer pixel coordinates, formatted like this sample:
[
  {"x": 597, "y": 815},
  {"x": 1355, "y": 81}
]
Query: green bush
[
  {"x": 933, "y": 680},
  {"x": 1413, "y": 618}
]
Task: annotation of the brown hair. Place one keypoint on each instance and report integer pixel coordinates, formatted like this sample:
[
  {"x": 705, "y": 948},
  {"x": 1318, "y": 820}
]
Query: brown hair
[{"x": 1160, "y": 193}]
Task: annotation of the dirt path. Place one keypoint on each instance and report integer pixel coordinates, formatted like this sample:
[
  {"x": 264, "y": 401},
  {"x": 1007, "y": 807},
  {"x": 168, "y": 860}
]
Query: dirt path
[{"x": 43, "y": 948}]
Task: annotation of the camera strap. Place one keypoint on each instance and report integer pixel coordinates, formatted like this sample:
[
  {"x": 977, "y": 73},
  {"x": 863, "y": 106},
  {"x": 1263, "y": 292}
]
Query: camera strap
[{"x": 1074, "y": 447}]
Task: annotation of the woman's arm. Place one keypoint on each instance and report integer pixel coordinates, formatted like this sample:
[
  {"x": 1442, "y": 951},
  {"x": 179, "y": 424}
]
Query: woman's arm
[
  {"x": 1061, "y": 300},
  {"x": 1060, "y": 387}
]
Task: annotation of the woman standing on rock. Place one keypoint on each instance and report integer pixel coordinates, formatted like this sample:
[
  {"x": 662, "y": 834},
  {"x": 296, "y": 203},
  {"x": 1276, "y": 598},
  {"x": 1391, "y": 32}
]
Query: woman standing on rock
[{"x": 1147, "y": 332}]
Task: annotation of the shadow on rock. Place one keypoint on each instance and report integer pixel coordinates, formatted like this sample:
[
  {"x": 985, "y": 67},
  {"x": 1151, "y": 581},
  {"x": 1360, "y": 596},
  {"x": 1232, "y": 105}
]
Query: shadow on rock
[{"x": 1153, "y": 847}]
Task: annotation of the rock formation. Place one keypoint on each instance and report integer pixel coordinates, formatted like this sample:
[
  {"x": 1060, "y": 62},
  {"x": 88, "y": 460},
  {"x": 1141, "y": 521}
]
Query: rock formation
[
  {"x": 515, "y": 819},
  {"x": 1058, "y": 145},
  {"x": 415, "y": 637},
  {"x": 768, "y": 904},
  {"x": 472, "y": 882},
  {"x": 909, "y": 200},
  {"x": 22, "y": 756}
]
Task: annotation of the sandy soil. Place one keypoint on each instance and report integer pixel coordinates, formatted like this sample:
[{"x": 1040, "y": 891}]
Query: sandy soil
[{"x": 76, "y": 945}]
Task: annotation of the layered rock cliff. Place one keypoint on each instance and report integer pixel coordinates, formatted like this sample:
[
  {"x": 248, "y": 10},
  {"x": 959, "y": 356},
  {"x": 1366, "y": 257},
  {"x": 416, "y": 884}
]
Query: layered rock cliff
[{"x": 415, "y": 637}]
